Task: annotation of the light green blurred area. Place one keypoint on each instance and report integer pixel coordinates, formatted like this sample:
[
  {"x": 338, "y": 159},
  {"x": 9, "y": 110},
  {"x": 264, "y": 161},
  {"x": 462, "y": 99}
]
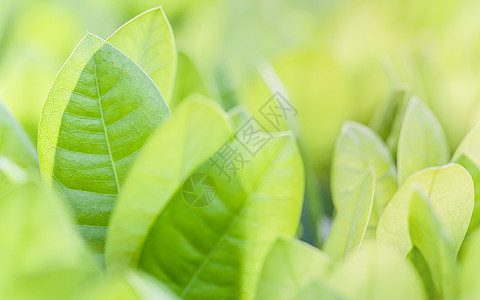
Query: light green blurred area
[{"x": 337, "y": 59}]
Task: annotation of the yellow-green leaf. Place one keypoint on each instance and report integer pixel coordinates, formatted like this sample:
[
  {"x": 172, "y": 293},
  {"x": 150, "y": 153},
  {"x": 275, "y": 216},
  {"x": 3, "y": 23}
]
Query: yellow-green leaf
[
  {"x": 350, "y": 223},
  {"x": 148, "y": 40},
  {"x": 450, "y": 190},
  {"x": 422, "y": 142}
]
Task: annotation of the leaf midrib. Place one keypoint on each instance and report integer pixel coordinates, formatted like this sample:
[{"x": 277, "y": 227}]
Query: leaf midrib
[
  {"x": 114, "y": 168},
  {"x": 232, "y": 222}
]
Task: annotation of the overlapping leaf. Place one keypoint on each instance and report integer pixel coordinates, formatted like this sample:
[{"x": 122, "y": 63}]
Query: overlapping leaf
[
  {"x": 350, "y": 223},
  {"x": 157, "y": 229},
  {"x": 289, "y": 270},
  {"x": 357, "y": 149},
  {"x": 199, "y": 128},
  {"x": 41, "y": 256},
  {"x": 190, "y": 79},
  {"x": 469, "y": 281},
  {"x": 377, "y": 273},
  {"x": 434, "y": 242},
  {"x": 148, "y": 40},
  {"x": 100, "y": 111},
  {"x": 468, "y": 155},
  {"x": 450, "y": 190}
]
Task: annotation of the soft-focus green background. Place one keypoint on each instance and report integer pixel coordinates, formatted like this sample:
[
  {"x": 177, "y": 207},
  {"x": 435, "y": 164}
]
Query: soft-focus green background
[{"x": 337, "y": 59}]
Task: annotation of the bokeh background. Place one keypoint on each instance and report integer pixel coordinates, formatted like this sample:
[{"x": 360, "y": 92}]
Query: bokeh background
[{"x": 337, "y": 60}]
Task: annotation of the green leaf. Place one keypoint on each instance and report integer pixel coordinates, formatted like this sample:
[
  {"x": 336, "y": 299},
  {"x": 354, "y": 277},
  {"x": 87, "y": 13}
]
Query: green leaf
[
  {"x": 421, "y": 265},
  {"x": 469, "y": 281},
  {"x": 191, "y": 79},
  {"x": 450, "y": 190},
  {"x": 290, "y": 268},
  {"x": 156, "y": 227},
  {"x": 200, "y": 128},
  {"x": 357, "y": 149},
  {"x": 434, "y": 242},
  {"x": 468, "y": 155},
  {"x": 386, "y": 120},
  {"x": 319, "y": 290},
  {"x": 148, "y": 40},
  {"x": 15, "y": 144},
  {"x": 99, "y": 113},
  {"x": 422, "y": 142},
  {"x": 350, "y": 223},
  {"x": 41, "y": 257},
  {"x": 377, "y": 272}
]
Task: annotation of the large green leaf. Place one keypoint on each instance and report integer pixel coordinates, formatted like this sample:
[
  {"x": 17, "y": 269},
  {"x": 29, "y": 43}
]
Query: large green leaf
[
  {"x": 450, "y": 190},
  {"x": 186, "y": 246},
  {"x": 148, "y": 40},
  {"x": 422, "y": 142},
  {"x": 99, "y": 113},
  {"x": 434, "y": 242},
  {"x": 41, "y": 256},
  {"x": 199, "y": 128},
  {"x": 290, "y": 268},
  {"x": 468, "y": 155},
  {"x": 14, "y": 142},
  {"x": 350, "y": 223},
  {"x": 377, "y": 272},
  {"x": 357, "y": 149}
]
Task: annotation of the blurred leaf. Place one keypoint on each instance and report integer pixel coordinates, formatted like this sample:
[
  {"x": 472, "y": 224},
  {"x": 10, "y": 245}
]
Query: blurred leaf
[
  {"x": 314, "y": 100},
  {"x": 387, "y": 120},
  {"x": 231, "y": 235},
  {"x": 318, "y": 290},
  {"x": 377, "y": 272},
  {"x": 450, "y": 190},
  {"x": 350, "y": 223},
  {"x": 99, "y": 113},
  {"x": 200, "y": 128},
  {"x": 14, "y": 143},
  {"x": 469, "y": 281},
  {"x": 434, "y": 242},
  {"x": 127, "y": 286},
  {"x": 290, "y": 268},
  {"x": 190, "y": 79},
  {"x": 418, "y": 260},
  {"x": 468, "y": 155},
  {"x": 41, "y": 257},
  {"x": 148, "y": 40},
  {"x": 357, "y": 149},
  {"x": 422, "y": 142}
]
